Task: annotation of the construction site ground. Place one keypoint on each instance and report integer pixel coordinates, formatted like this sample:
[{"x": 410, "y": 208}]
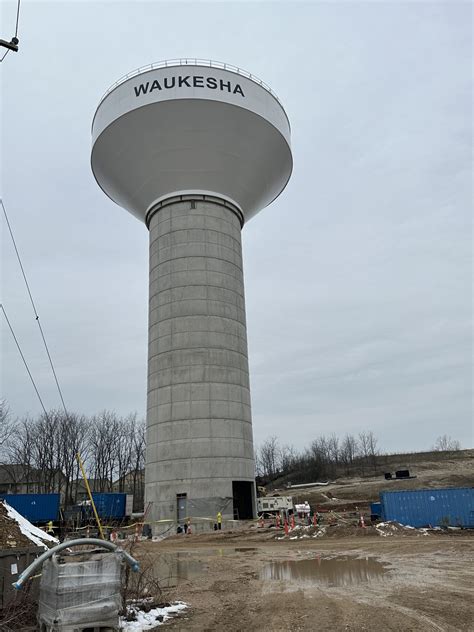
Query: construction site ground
[
  {"x": 427, "y": 585},
  {"x": 424, "y": 580}
]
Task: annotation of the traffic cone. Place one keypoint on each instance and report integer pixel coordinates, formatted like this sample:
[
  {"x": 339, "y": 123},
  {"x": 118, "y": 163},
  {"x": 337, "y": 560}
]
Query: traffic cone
[
  {"x": 361, "y": 521},
  {"x": 315, "y": 520},
  {"x": 292, "y": 521},
  {"x": 277, "y": 521},
  {"x": 286, "y": 526}
]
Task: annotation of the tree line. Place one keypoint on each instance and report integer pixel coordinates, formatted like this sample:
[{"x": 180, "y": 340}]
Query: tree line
[
  {"x": 112, "y": 448},
  {"x": 42, "y": 451},
  {"x": 327, "y": 457}
]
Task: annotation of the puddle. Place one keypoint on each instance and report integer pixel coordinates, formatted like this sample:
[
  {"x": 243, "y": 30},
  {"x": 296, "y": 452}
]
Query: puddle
[
  {"x": 173, "y": 568},
  {"x": 332, "y": 572},
  {"x": 189, "y": 568}
]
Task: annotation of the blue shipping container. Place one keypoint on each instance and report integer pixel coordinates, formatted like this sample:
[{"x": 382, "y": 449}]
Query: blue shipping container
[
  {"x": 110, "y": 505},
  {"x": 451, "y": 507},
  {"x": 35, "y": 507}
]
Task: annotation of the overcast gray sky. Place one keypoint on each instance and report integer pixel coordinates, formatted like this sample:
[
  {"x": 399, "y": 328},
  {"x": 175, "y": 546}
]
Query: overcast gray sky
[{"x": 358, "y": 277}]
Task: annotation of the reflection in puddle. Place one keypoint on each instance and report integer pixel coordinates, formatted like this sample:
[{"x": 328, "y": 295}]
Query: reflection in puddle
[
  {"x": 173, "y": 568},
  {"x": 336, "y": 571},
  {"x": 188, "y": 569}
]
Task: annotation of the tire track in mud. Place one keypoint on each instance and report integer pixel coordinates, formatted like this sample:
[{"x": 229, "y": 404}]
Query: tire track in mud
[{"x": 418, "y": 616}]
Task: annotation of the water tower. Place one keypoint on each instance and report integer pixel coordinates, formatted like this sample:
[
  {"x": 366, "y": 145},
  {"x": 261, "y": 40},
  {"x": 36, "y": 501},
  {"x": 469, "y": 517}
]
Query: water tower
[{"x": 194, "y": 149}]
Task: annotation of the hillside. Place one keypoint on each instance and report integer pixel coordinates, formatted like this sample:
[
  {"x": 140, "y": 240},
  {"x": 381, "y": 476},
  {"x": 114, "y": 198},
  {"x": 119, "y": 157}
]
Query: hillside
[{"x": 432, "y": 469}]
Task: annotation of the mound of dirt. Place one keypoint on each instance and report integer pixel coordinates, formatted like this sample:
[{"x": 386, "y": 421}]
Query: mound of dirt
[
  {"x": 17, "y": 532},
  {"x": 11, "y": 536}
]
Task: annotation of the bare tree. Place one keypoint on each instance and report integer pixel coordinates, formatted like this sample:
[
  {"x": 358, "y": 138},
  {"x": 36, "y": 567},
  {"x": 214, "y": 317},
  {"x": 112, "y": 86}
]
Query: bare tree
[
  {"x": 268, "y": 457},
  {"x": 368, "y": 450},
  {"x": 19, "y": 449},
  {"x": 7, "y": 426},
  {"x": 364, "y": 449},
  {"x": 102, "y": 465},
  {"x": 126, "y": 428},
  {"x": 320, "y": 449},
  {"x": 373, "y": 449},
  {"x": 73, "y": 440},
  {"x": 333, "y": 449},
  {"x": 138, "y": 464},
  {"x": 47, "y": 453},
  {"x": 348, "y": 451},
  {"x": 288, "y": 457},
  {"x": 445, "y": 443}
]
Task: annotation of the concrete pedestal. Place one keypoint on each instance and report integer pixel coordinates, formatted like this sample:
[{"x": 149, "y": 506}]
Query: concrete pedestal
[{"x": 200, "y": 457}]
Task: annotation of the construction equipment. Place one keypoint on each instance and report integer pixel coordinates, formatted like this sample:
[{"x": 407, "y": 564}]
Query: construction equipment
[{"x": 274, "y": 505}]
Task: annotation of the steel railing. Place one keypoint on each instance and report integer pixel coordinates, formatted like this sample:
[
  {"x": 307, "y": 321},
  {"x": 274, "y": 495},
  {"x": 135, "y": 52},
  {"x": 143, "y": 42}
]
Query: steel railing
[{"x": 170, "y": 63}]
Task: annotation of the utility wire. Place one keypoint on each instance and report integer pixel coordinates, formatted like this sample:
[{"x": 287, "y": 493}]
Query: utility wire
[
  {"x": 17, "y": 17},
  {"x": 34, "y": 308},
  {"x": 5, "y": 54},
  {"x": 23, "y": 358}
]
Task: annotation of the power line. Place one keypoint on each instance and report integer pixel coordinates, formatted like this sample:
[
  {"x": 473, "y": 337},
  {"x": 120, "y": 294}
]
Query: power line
[
  {"x": 23, "y": 358},
  {"x": 34, "y": 307},
  {"x": 17, "y": 17}
]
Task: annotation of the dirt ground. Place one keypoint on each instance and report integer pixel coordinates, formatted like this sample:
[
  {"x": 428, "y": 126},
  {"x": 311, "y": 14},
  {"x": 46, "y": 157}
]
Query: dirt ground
[
  {"x": 428, "y": 574},
  {"x": 427, "y": 583}
]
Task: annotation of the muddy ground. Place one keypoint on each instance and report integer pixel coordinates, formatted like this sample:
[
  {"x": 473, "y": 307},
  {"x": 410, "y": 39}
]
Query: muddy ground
[{"x": 423, "y": 581}]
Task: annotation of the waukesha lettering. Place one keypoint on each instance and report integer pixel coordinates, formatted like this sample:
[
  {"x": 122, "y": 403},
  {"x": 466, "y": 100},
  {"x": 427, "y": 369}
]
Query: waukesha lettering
[{"x": 189, "y": 82}]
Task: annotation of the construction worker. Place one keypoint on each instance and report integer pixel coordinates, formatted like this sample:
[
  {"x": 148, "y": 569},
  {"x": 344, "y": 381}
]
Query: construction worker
[
  {"x": 219, "y": 520},
  {"x": 49, "y": 527}
]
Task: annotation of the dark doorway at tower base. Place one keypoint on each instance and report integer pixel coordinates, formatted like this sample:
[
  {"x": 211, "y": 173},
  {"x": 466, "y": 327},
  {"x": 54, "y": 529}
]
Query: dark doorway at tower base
[{"x": 242, "y": 491}]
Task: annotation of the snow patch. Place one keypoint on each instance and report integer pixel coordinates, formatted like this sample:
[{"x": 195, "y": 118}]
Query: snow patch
[
  {"x": 149, "y": 620},
  {"x": 382, "y": 533},
  {"x": 320, "y": 533}
]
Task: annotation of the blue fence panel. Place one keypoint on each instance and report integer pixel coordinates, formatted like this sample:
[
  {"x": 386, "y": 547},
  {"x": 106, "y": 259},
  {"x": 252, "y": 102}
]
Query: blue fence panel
[
  {"x": 110, "y": 505},
  {"x": 430, "y": 507},
  {"x": 35, "y": 507}
]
